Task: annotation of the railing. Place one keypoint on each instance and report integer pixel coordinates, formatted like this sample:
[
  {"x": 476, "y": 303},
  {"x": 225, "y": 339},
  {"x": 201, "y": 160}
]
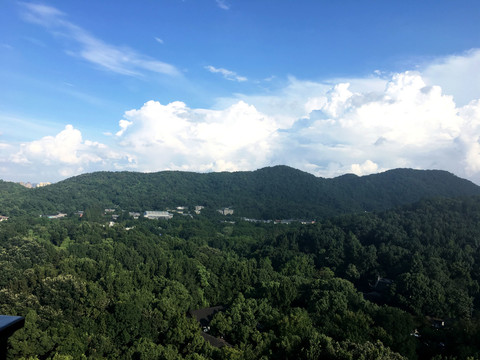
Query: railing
[{"x": 8, "y": 325}]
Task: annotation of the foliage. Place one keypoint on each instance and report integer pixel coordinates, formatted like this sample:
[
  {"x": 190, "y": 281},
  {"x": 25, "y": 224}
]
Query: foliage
[
  {"x": 276, "y": 192},
  {"x": 358, "y": 286}
]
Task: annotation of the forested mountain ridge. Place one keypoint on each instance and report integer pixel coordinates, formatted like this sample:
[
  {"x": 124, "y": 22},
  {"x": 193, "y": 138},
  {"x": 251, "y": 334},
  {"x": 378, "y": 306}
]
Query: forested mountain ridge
[
  {"x": 268, "y": 193},
  {"x": 360, "y": 285}
]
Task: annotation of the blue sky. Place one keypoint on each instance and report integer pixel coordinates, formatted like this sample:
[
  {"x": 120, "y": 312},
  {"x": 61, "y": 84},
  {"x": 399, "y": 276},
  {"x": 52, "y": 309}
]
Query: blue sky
[{"x": 329, "y": 87}]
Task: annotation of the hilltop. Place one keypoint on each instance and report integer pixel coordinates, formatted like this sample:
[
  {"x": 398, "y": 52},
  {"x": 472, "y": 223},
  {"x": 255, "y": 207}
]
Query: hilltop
[{"x": 268, "y": 193}]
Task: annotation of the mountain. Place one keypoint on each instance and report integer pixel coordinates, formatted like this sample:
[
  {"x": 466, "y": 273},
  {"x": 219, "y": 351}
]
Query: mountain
[{"x": 268, "y": 193}]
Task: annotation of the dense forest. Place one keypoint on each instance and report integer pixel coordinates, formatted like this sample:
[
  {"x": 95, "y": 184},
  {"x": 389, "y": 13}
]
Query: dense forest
[
  {"x": 278, "y": 192},
  {"x": 401, "y": 283}
]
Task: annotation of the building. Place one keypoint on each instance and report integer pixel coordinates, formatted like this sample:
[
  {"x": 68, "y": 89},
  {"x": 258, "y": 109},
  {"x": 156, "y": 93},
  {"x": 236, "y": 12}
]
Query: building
[
  {"x": 226, "y": 211},
  {"x": 198, "y": 209},
  {"x": 3, "y": 218},
  {"x": 158, "y": 215},
  {"x": 180, "y": 210},
  {"x": 134, "y": 214},
  {"x": 58, "y": 216},
  {"x": 29, "y": 185}
]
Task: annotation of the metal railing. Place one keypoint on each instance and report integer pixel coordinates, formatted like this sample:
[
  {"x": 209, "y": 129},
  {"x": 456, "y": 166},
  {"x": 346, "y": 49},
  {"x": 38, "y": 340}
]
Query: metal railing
[{"x": 8, "y": 325}]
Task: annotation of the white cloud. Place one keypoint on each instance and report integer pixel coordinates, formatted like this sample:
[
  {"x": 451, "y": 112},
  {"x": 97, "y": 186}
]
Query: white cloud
[
  {"x": 409, "y": 124},
  {"x": 294, "y": 100},
  {"x": 66, "y": 148},
  {"x": 160, "y": 41},
  {"x": 470, "y": 138},
  {"x": 174, "y": 136},
  {"x": 330, "y": 130},
  {"x": 65, "y": 154},
  {"x": 376, "y": 123},
  {"x": 222, "y": 4},
  {"x": 42, "y": 14},
  {"x": 457, "y": 75},
  {"x": 122, "y": 60},
  {"x": 227, "y": 74},
  {"x": 368, "y": 167}
]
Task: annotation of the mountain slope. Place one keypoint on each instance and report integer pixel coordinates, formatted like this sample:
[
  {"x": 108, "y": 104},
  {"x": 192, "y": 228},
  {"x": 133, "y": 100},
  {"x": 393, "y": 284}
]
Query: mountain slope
[{"x": 273, "y": 192}]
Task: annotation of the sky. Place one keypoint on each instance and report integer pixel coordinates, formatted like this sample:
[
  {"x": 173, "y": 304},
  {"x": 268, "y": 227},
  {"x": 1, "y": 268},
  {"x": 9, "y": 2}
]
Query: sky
[{"x": 327, "y": 87}]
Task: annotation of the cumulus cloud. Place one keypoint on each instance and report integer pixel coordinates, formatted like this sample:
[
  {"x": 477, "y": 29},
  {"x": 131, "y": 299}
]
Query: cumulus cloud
[
  {"x": 66, "y": 153},
  {"x": 174, "y": 136},
  {"x": 66, "y": 147},
  {"x": 457, "y": 75},
  {"x": 122, "y": 60},
  {"x": 368, "y": 167},
  {"x": 227, "y": 74},
  {"x": 469, "y": 139},
  {"x": 408, "y": 124},
  {"x": 332, "y": 129},
  {"x": 295, "y": 99}
]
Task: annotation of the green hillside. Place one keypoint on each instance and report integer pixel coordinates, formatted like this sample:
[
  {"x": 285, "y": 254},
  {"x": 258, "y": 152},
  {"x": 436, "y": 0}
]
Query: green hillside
[
  {"x": 399, "y": 284},
  {"x": 268, "y": 193}
]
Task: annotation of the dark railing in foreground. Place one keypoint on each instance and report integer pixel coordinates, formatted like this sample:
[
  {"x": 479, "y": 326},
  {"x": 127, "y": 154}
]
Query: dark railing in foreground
[{"x": 8, "y": 325}]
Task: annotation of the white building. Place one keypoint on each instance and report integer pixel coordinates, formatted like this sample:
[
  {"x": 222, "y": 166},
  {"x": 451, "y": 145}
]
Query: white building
[
  {"x": 226, "y": 211},
  {"x": 58, "y": 216},
  {"x": 134, "y": 214},
  {"x": 157, "y": 215}
]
